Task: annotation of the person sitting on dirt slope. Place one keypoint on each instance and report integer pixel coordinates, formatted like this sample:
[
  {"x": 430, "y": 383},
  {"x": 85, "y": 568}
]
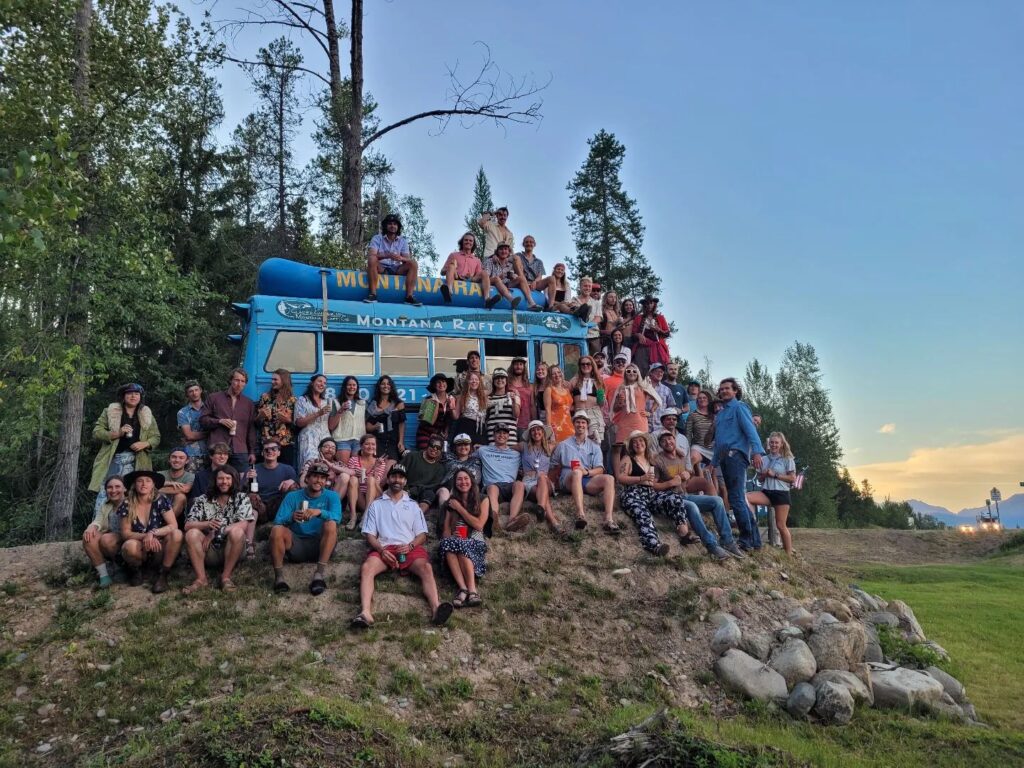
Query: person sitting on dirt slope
[
  {"x": 149, "y": 529},
  {"x": 581, "y": 466},
  {"x": 395, "y": 532},
  {"x": 463, "y": 543},
  {"x": 306, "y": 528},
  {"x": 215, "y": 530},
  {"x": 101, "y": 540}
]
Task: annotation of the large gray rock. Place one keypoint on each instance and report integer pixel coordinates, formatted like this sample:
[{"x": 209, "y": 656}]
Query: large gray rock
[
  {"x": 787, "y": 632},
  {"x": 950, "y": 684},
  {"x": 744, "y": 674},
  {"x": 833, "y": 703},
  {"x": 905, "y": 689},
  {"x": 822, "y": 619},
  {"x": 838, "y": 646},
  {"x": 757, "y": 644},
  {"x": 860, "y": 692},
  {"x": 830, "y": 605},
  {"x": 884, "y": 619},
  {"x": 908, "y": 622},
  {"x": 948, "y": 709},
  {"x": 942, "y": 652},
  {"x": 794, "y": 661},
  {"x": 727, "y": 636},
  {"x": 801, "y": 700},
  {"x": 872, "y": 648},
  {"x": 870, "y": 604},
  {"x": 800, "y": 617}
]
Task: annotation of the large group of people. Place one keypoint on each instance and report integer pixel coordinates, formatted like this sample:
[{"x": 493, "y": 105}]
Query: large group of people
[{"x": 622, "y": 428}]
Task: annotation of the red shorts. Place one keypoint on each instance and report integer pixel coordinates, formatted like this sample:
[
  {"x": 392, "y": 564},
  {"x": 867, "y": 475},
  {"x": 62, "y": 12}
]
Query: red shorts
[{"x": 416, "y": 553}]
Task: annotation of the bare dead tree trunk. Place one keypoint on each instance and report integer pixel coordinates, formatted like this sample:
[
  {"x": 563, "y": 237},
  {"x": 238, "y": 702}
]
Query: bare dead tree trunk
[
  {"x": 64, "y": 482},
  {"x": 352, "y": 190}
]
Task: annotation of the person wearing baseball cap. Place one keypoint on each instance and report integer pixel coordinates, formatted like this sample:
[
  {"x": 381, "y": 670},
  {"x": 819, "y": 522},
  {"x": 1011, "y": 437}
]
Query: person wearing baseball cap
[
  {"x": 395, "y": 532},
  {"x": 306, "y": 528},
  {"x": 460, "y": 457},
  {"x": 127, "y": 434},
  {"x": 500, "y": 473},
  {"x": 582, "y": 472}
]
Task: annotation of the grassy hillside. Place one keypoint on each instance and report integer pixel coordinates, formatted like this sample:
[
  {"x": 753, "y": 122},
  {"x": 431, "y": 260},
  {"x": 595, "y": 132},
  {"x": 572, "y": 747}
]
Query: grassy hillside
[{"x": 562, "y": 656}]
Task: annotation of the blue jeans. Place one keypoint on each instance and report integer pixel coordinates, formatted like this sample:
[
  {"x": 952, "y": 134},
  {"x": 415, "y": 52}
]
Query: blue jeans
[
  {"x": 734, "y": 471},
  {"x": 713, "y": 506},
  {"x": 120, "y": 465},
  {"x": 693, "y": 517}
]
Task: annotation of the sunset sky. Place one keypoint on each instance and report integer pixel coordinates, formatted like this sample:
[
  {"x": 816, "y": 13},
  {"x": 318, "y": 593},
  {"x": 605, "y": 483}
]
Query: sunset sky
[{"x": 846, "y": 174}]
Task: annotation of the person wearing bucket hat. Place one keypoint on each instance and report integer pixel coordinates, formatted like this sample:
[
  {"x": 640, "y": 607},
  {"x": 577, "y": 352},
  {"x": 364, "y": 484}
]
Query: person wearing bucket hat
[
  {"x": 395, "y": 532},
  {"x": 127, "y": 433},
  {"x": 437, "y": 411},
  {"x": 149, "y": 530},
  {"x": 306, "y": 528},
  {"x": 582, "y": 472}
]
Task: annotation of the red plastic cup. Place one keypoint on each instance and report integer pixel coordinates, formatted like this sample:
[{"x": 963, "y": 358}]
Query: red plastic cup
[
  {"x": 574, "y": 464},
  {"x": 462, "y": 531}
]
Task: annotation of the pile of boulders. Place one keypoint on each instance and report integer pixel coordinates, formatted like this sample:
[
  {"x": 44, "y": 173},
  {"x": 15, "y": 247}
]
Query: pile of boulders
[{"x": 825, "y": 659}]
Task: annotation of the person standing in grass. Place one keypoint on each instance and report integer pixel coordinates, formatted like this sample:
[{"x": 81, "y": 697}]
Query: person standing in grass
[
  {"x": 777, "y": 474},
  {"x": 101, "y": 540},
  {"x": 306, "y": 529},
  {"x": 395, "y": 532}
]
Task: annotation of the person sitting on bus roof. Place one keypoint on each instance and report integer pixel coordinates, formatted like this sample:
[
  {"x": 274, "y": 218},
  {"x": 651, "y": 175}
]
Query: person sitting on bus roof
[
  {"x": 395, "y": 532},
  {"x": 462, "y": 264},
  {"x": 501, "y": 477},
  {"x": 437, "y": 412},
  {"x": 306, "y": 529},
  {"x": 425, "y": 472},
  {"x": 495, "y": 231},
  {"x": 389, "y": 253},
  {"x": 533, "y": 267},
  {"x": 502, "y": 270},
  {"x": 385, "y": 418},
  {"x": 582, "y": 472}
]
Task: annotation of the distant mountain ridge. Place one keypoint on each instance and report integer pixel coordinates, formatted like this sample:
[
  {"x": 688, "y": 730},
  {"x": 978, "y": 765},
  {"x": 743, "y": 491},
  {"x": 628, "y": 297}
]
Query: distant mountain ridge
[{"x": 1011, "y": 511}]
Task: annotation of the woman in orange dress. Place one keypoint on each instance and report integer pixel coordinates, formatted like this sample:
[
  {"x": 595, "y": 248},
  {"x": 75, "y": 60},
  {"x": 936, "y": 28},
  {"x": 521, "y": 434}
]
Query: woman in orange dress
[
  {"x": 632, "y": 404},
  {"x": 558, "y": 404}
]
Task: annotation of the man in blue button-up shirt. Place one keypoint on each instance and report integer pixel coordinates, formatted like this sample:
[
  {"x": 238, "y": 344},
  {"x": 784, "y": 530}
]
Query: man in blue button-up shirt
[{"x": 735, "y": 438}]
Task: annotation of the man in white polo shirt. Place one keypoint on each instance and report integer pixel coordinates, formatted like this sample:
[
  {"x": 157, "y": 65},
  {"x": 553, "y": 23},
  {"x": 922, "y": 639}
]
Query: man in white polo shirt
[
  {"x": 582, "y": 472},
  {"x": 395, "y": 531}
]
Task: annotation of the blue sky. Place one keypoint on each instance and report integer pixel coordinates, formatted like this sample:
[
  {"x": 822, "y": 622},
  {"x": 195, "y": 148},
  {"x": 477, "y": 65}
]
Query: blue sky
[{"x": 846, "y": 174}]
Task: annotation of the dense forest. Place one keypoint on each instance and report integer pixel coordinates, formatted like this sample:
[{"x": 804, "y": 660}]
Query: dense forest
[{"x": 126, "y": 228}]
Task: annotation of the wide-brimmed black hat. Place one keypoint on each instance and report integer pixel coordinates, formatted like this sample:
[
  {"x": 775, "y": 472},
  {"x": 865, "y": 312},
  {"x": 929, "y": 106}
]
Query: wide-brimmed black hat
[
  {"x": 156, "y": 477},
  {"x": 432, "y": 386}
]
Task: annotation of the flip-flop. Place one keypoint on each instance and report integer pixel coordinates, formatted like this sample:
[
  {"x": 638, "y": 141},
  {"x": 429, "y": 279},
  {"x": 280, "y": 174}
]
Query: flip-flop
[
  {"x": 227, "y": 585},
  {"x": 442, "y": 614},
  {"x": 612, "y": 529},
  {"x": 518, "y": 523},
  {"x": 194, "y": 587},
  {"x": 360, "y": 622},
  {"x": 281, "y": 586},
  {"x": 317, "y": 586}
]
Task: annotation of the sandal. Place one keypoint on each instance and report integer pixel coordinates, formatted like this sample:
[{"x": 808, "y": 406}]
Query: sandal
[
  {"x": 517, "y": 523},
  {"x": 581, "y": 523},
  {"x": 473, "y": 600},
  {"x": 360, "y": 622},
  {"x": 250, "y": 550},
  {"x": 460, "y": 598},
  {"x": 612, "y": 529},
  {"x": 227, "y": 585},
  {"x": 689, "y": 539},
  {"x": 194, "y": 587}
]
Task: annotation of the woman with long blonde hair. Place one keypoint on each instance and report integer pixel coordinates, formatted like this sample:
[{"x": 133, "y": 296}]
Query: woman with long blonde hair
[
  {"x": 558, "y": 404},
  {"x": 587, "y": 388},
  {"x": 777, "y": 473},
  {"x": 633, "y": 402},
  {"x": 149, "y": 529}
]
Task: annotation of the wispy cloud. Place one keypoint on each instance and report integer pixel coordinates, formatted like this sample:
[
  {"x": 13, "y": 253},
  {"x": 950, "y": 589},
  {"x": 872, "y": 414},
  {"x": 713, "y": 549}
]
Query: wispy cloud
[
  {"x": 887, "y": 429},
  {"x": 954, "y": 476}
]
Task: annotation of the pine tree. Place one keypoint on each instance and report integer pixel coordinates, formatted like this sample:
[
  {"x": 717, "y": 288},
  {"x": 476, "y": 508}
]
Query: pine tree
[
  {"x": 481, "y": 202},
  {"x": 606, "y": 224}
]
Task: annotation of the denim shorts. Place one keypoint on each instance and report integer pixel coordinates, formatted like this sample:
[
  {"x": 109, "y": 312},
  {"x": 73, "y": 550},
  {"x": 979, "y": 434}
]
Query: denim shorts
[{"x": 352, "y": 446}]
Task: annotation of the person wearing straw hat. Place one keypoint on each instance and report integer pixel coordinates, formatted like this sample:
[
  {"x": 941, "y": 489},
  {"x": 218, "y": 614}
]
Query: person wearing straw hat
[{"x": 582, "y": 472}]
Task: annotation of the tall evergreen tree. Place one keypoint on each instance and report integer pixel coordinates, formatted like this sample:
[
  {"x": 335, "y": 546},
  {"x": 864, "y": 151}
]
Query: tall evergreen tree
[
  {"x": 606, "y": 224},
  {"x": 415, "y": 228},
  {"x": 481, "y": 202}
]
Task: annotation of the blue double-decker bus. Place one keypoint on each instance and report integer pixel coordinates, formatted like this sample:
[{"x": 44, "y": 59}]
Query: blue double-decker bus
[{"x": 311, "y": 320}]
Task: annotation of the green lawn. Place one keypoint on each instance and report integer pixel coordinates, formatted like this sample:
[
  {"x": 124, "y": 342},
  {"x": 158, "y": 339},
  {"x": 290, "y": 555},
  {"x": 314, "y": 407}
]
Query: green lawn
[{"x": 976, "y": 612}]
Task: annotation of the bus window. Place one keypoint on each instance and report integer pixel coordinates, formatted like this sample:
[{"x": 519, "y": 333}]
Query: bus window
[
  {"x": 448, "y": 351},
  {"x": 348, "y": 354},
  {"x": 498, "y": 353},
  {"x": 294, "y": 351},
  {"x": 547, "y": 353},
  {"x": 571, "y": 357},
  {"x": 403, "y": 355}
]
